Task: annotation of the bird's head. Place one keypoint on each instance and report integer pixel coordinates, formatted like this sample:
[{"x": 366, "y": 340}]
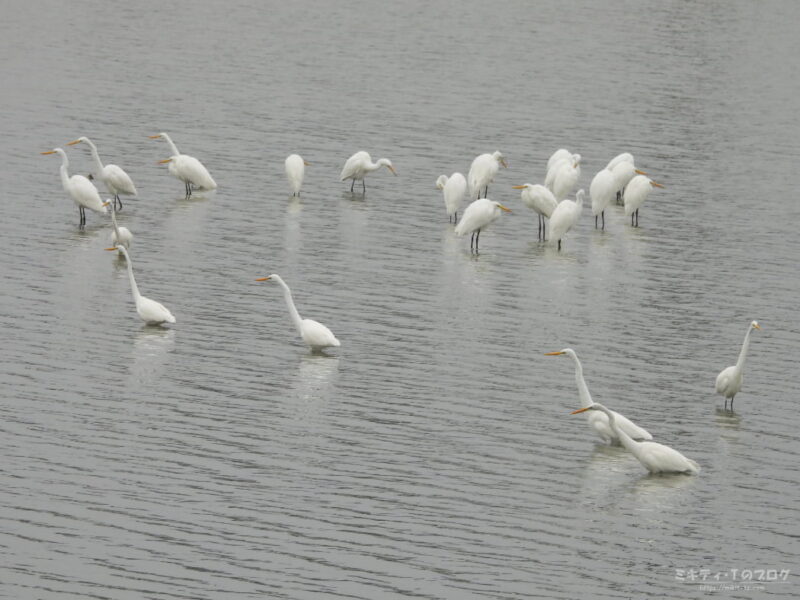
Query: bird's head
[
  {"x": 78, "y": 141},
  {"x": 565, "y": 352},
  {"x": 156, "y": 136},
  {"x": 441, "y": 182},
  {"x": 500, "y": 158},
  {"x": 576, "y": 160},
  {"x": 579, "y": 195},
  {"x": 53, "y": 151},
  {"x": 755, "y": 325},
  {"x": 654, "y": 184},
  {"x": 501, "y": 207},
  {"x": 385, "y": 162},
  {"x": 269, "y": 278},
  {"x": 580, "y": 410}
]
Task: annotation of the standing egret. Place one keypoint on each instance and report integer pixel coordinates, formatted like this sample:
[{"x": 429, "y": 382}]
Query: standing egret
[
  {"x": 565, "y": 176},
  {"x": 729, "y": 381},
  {"x": 482, "y": 172},
  {"x": 655, "y": 457},
  {"x": 454, "y": 189},
  {"x": 359, "y": 165},
  {"x": 540, "y": 200},
  {"x": 113, "y": 177},
  {"x": 121, "y": 236},
  {"x": 565, "y": 216},
  {"x": 598, "y": 421},
  {"x": 478, "y": 216},
  {"x": 295, "y": 169},
  {"x": 636, "y": 193},
  {"x": 186, "y": 168},
  {"x": 314, "y": 334},
  {"x": 150, "y": 311},
  {"x": 80, "y": 189},
  {"x": 558, "y": 156},
  {"x": 602, "y": 190},
  {"x": 623, "y": 173}
]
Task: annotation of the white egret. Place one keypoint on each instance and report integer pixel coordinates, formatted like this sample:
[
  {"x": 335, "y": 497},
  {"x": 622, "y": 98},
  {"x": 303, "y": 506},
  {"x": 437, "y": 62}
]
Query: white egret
[
  {"x": 655, "y": 457},
  {"x": 113, "y": 177},
  {"x": 602, "y": 190},
  {"x": 186, "y": 168},
  {"x": 295, "y": 170},
  {"x": 80, "y": 189},
  {"x": 478, "y": 216},
  {"x": 558, "y": 156},
  {"x": 636, "y": 193},
  {"x": 482, "y": 172},
  {"x": 360, "y": 165},
  {"x": 121, "y": 236},
  {"x": 314, "y": 334},
  {"x": 729, "y": 381},
  {"x": 565, "y": 176},
  {"x": 598, "y": 421},
  {"x": 565, "y": 216},
  {"x": 623, "y": 173},
  {"x": 540, "y": 200},
  {"x": 454, "y": 188},
  {"x": 150, "y": 311}
]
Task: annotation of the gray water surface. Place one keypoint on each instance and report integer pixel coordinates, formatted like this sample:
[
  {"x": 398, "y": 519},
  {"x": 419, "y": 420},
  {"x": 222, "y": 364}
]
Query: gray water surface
[{"x": 433, "y": 454}]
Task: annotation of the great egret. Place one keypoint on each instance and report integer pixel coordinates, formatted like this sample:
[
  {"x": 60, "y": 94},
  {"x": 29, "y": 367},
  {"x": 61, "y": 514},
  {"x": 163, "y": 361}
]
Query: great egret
[
  {"x": 540, "y": 200},
  {"x": 623, "y": 173},
  {"x": 598, "y": 421},
  {"x": 314, "y": 334},
  {"x": 359, "y": 165},
  {"x": 729, "y": 381},
  {"x": 655, "y": 457},
  {"x": 602, "y": 190},
  {"x": 186, "y": 168},
  {"x": 295, "y": 169},
  {"x": 113, "y": 177},
  {"x": 121, "y": 236},
  {"x": 478, "y": 216},
  {"x": 454, "y": 188},
  {"x": 482, "y": 172},
  {"x": 558, "y": 156},
  {"x": 636, "y": 193},
  {"x": 80, "y": 189},
  {"x": 565, "y": 216},
  {"x": 150, "y": 311},
  {"x": 565, "y": 176}
]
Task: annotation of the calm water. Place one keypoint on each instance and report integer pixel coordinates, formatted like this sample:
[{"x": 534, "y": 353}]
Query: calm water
[{"x": 433, "y": 454}]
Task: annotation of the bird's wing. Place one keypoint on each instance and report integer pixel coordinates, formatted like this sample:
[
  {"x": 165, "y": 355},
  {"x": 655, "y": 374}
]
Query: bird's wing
[
  {"x": 316, "y": 334},
  {"x": 724, "y": 380},
  {"x": 631, "y": 428},
  {"x": 666, "y": 459},
  {"x": 119, "y": 180},
  {"x": 194, "y": 172},
  {"x": 154, "y": 311},
  {"x": 353, "y": 164}
]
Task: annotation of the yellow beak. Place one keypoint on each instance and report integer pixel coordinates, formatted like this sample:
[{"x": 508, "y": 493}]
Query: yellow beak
[
  {"x": 580, "y": 410},
  {"x": 166, "y": 160},
  {"x": 654, "y": 184},
  {"x": 73, "y": 143},
  {"x": 263, "y": 279},
  {"x": 306, "y": 163},
  {"x": 518, "y": 187},
  {"x": 114, "y": 248},
  {"x": 501, "y": 207},
  {"x": 554, "y": 354},
  {"x": 154, "y": 137}
]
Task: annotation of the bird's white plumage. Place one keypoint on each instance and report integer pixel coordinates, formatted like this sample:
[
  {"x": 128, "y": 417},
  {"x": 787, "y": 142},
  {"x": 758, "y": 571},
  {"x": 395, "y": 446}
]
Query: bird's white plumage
[
  {"x": 602, "y": 190},
  {"x": 558, "y": 156},
  {"x": 314, "y": 334},
  {"x": 295, "y": 171},
  {"x": 729, "y": 381},
  {"x": 116, "y": 180},
  {"x": 360, "y": 164},
  {"x": 636, "y": 192},
  {"x": 539, "y": 199},
  {"x": 479, "y": 215},
  {"x": 655, "y": 457},
  {"x": 187, "y": 168},
  {"x": 623, "y": 173},
  {"x": 598, "y": 421},
  {"x": 149, "y": 311},
  {"x": 620, "y": 158},
  {"x": 79, "y": 188},
  {"x": 565, "y": 216},
  {"x": 454, "y": 189},
  {"x": 565, "y": 176},
  {"x": 120, "y": 236},
  {"x": 483, "y": 170}
]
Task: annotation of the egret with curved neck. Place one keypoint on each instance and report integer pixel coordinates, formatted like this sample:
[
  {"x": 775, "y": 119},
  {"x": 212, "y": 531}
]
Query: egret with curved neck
[
  {"x": 121, "y": 236},
  {"x": 655, "y": 457},
  {"x": 149, "y": 311},
  {"x": 360, "y": 165},
  {"x": 598, "y": 421},
  {"x": 729, "y": 381},
  {"x": 80, "y": 189},
  {"x": 187, "y": 168},
  {"x": 315, "y": 335},
  {"x": 115, "y": 179}
]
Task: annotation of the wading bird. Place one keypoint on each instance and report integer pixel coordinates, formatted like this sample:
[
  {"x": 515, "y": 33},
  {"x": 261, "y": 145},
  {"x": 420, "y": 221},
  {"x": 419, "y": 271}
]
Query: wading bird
[
  {"x": 482, "y": 172},
  {"x": 565, "y": 216},
  {"x": 315, "y": 335},
  {"x": 186, "y": 168},
  {"x": 655, "y": 457},
  {"x": 565, "y": 176},
  {"x": 636, "y": 193},
  {"x": 540, "y": 200},
  {"x": 598, "y": 421},
  {"x": 478, "y": 216},
  {"x": 113, "y": 177},
  {"x": 360, "y": 165},
  {"x": 601, "y": 191},
  {"x": 454, "y": 188},
  {"x": 80, "y": 189},
  {"x": 121, "y": 236},
  {"x": 150, "y": 311},
  {"x": 729, "y": 381},
  {"x": 295, "y": 170}
]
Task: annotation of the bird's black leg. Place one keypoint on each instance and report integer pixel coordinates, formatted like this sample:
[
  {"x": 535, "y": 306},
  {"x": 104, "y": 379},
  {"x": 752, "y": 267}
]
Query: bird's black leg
[
  {"x": 603, "y": 214},
  {"x": 595, "y": 221},
  {"x": 619, "y": 196},
  {"x": 82, "y": 213},
  {"x": 477, "y": 240},
  {"x": 637, "y": 217},
  {"x": 471, "y": 241},
  {"x": 544, "y": 233},
  {"x": 732, "y": 397},
  {"x": 485, "y": 195},
  {"x": 540, "y": 226},
  {"x": 352, "y": 185},
  {"x": 559, "y": 245},
  {"x": 364, "y": 186}
]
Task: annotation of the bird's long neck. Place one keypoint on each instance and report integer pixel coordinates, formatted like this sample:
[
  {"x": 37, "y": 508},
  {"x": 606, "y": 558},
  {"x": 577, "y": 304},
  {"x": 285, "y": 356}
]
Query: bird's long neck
[
  {"x": 97, "y": 162},
  {"x": 114, "y": 222},
  {"x": 624, "y": 438},
  {"x": 583, "y": 389},
  {"x": 63, "y": 170},
  {"x": 372, "y": 166},
  {"x": 134, "y": 287},
  {"x": 743, "y": 353},
  {"x": 172, "y": 145},
  {"x": 287, "y": 295}
]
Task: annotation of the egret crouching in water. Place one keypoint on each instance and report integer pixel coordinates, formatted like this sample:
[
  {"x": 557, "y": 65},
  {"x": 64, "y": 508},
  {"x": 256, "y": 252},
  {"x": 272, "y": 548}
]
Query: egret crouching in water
[
  {"x": 478, "y": 216},
  {"x": 655, "y": 457},
  {"x": 315, "y": 335}
]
